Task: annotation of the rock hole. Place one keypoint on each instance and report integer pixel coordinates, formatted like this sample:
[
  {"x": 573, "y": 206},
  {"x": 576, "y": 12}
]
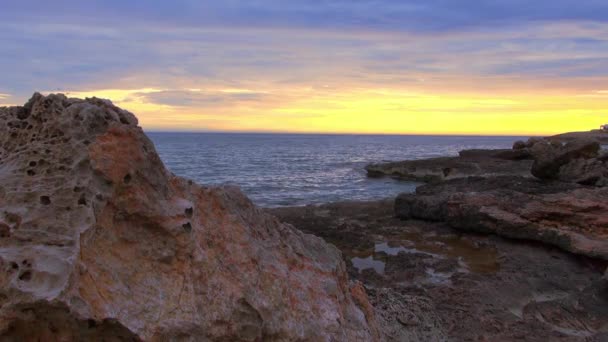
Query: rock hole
[
  {"x": 33, "y": 163},
  {"x": 82, "y": 200},
  {"x": 77, "y": 189},
  {"x": 25, "y": 276},
  {"x": 127, "y": 179},
  {"x": 5, "y": 230},
  {"x": 45, "y": 200},
  {"x": 91, "y": 323},
  {"x": 189, "y": 212},
  {"x": 31, "y": 173},
  {"x": 187, "y": 227},
  {"x": 447, "y": 171},
  {"x": 14, "y": 265}
]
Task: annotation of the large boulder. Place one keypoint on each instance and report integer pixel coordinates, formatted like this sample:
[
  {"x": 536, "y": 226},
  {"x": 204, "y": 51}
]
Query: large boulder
[
  {"x": 550, "y": 156},
  {"x": 567, "y": 215},
  {"x": 585, "y": 171},
  {"x": 98, "y": 241}
]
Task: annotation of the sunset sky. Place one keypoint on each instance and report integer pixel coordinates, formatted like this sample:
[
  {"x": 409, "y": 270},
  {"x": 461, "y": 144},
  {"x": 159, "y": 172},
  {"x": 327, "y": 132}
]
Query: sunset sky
[{"x": 336, "y": 66}]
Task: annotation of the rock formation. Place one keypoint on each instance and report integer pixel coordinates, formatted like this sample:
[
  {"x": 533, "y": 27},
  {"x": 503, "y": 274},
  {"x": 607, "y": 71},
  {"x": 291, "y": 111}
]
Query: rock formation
[
  {"x": 430, "y": 283},
  {"x": 549, "y": 157},
  {"x": 99, "y": 241},
  {"x": 482, "y": 163},
  {"x": 572, "y": 217},
  {"x": 576, "y": 161}
]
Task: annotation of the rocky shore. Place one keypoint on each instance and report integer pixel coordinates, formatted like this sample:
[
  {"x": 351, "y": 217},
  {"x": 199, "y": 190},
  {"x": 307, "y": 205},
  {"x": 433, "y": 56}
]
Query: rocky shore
[
  {"x": 499, "y": 245},
  {"x": 430, "y": 282},
  {"x": 99, "y": 241}
]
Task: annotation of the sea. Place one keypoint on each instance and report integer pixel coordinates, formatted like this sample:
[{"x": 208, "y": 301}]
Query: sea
[{"x": 299, "y": 169}]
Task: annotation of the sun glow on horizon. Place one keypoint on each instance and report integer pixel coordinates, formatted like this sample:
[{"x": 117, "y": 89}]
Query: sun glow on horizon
[{"x": 358, "y": 111}]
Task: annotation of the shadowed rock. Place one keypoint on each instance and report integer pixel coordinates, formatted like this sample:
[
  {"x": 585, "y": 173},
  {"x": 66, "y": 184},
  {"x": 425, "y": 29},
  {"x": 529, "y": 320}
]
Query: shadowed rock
[{"x": 100, "y": 241}]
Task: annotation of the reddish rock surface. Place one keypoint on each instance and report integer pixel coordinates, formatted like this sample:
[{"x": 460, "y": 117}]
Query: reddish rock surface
[
  {"x": 569, "y": 216},
  {"x": 99, "y": 241}
]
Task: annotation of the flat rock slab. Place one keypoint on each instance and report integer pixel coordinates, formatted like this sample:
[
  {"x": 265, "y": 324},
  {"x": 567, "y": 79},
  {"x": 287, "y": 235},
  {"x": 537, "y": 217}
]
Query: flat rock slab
[
  {"x": 569, "y": 216},
  {"x": 486, "y": 163}
]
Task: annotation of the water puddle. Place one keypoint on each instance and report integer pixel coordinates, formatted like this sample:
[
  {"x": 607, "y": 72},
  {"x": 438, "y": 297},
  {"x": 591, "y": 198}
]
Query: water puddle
[
  {"x": 470, "y": 257},
  {"x": 368, "y": 263}
]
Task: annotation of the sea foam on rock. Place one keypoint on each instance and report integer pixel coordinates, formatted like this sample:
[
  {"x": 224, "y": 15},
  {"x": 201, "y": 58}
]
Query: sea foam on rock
[{"x": 99, "y": 241}]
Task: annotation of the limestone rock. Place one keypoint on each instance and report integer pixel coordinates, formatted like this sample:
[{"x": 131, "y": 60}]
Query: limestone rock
[{"x": 99, "y": 241}]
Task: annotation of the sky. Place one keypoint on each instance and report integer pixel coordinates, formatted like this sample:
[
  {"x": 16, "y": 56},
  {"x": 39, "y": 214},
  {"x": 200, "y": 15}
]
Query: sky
[{"x": 505, "y": 67}]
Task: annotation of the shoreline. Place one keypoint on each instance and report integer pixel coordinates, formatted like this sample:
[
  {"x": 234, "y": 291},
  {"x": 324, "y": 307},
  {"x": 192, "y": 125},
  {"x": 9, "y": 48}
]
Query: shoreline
[
  {"x": 428, "y": 281},
  {"x": 99, "y": 239},
  {"x": 431, "y": 277}
]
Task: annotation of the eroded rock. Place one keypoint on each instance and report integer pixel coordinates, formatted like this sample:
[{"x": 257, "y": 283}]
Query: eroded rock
[{"x": 99, "y": 239}]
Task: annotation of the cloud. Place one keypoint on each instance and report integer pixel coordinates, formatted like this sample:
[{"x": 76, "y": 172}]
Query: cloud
[
  {"x": 201, "y": 99},
  {"x": 181, "y": 59},
  {"x": 390, "y": 15}
]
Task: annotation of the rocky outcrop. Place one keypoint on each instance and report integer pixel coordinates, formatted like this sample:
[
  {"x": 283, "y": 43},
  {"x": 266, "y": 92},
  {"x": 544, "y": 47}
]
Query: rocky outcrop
[
  {"x": 550, "y": 157},
  {"x": 596, "y": 134},
  {"x": 576, "y": 161},
  {"x": 572, "y": 217},
  {"x": 428, "y": 282},
  {"x": 99, "y": 241},
  {"x": 481, "y": 163}
]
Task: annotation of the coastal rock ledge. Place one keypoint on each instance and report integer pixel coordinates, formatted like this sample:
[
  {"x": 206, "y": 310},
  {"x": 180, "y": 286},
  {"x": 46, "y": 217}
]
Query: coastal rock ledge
[{"x": 98, "y": 241}]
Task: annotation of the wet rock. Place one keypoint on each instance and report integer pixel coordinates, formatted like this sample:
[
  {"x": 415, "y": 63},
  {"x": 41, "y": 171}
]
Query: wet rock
[
  {"x": 100, "y": 242},
  {"x": 572, "y": 217}
]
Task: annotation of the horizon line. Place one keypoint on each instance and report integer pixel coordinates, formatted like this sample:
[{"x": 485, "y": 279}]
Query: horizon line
[{"x": 346, "y": 133}]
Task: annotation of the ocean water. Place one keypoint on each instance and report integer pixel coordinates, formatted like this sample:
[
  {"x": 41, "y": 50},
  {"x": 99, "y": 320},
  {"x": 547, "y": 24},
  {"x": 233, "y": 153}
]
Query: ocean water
[{"x": 292, "y": 169}]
